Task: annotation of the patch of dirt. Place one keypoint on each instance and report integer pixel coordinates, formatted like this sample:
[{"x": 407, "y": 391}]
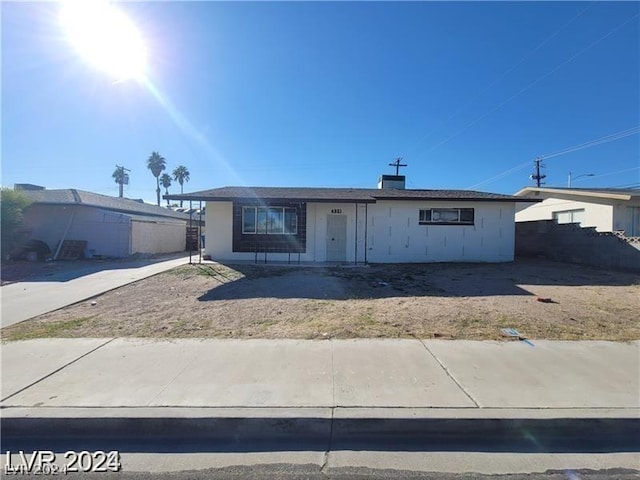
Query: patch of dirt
[{"x": 464, "y": 301}]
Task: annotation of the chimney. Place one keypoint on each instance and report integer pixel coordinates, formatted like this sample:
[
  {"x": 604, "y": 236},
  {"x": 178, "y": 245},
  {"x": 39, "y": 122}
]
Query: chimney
[{"x": 386, "y": 182}]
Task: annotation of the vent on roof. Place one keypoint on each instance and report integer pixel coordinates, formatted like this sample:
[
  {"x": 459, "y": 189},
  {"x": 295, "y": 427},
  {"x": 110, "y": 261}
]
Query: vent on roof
[{"x": 391, "y": 181}]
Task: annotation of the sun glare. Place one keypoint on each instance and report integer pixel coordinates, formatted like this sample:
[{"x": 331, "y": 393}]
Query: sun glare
[{"x": 105, "y": 37}]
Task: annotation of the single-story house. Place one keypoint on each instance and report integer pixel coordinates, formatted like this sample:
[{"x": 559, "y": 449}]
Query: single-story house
[
  {"x": 384, "y": 225},
  {"x": 606, "y": 209},
  {"x": 110, "y": 226}
]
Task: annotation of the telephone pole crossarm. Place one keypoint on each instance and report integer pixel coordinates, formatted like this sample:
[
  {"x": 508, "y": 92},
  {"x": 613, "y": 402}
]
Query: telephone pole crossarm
[
  {"x": 397, "y": 164},
  {"x": 537, "y": 176}
]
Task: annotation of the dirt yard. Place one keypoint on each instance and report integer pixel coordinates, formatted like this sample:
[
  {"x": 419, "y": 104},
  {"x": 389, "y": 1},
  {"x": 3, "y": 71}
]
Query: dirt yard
[{"x": 467, "y": 301}]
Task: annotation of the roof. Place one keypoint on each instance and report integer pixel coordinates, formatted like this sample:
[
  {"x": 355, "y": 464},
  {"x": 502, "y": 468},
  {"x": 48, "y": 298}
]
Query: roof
[
  {"x": 609, "y": 193},
  {"x": 344, "y": 195},
  {"x": 71, "y": 196}
]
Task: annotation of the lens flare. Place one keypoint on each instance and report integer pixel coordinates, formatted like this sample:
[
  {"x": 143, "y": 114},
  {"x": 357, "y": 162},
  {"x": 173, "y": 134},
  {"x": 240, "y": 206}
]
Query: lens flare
[{"x": 105, "y": 37}]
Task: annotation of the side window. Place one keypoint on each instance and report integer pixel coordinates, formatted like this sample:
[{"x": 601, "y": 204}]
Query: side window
[{"x": 446, "y": 216}]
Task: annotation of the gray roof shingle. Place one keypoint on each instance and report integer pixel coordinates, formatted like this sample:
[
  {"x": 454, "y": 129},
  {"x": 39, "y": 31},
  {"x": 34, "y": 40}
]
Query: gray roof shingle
[
  {"x": 71, "y": 196},
  {"x": 360, "y": 195}
]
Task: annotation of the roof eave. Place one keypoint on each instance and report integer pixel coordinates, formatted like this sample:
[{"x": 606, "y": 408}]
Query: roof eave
[
  {"x": 580, "y": 193},
  {"x": 102, "y": 207}
]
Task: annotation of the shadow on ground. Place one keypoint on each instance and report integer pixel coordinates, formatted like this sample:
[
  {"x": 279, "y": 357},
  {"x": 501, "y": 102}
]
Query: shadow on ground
[
  {"x": 66, "y": 270},
  {"x": 248, "y": 281}
]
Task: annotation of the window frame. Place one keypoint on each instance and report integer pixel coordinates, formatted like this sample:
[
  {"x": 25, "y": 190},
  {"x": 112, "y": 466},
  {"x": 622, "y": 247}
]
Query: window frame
[
  {"x": 572, "y": 214},
  {"x": 269, "y": 222},
  {"x": 426, "y": 216},
  {"x": 255, "y": 220}
]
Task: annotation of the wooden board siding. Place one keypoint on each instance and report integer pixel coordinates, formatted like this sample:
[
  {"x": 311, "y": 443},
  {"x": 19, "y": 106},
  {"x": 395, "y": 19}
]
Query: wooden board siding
[{"x": 270, "y": 243}]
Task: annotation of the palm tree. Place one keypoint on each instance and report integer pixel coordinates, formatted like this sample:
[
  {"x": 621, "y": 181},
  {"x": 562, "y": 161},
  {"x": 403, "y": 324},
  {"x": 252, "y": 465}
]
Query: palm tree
[
  {"x": 156, "y": 163},
  {"x": 181, "y": 175},
  {"x": 120, "y": 177},
  {"x": 165, "y": 180}
]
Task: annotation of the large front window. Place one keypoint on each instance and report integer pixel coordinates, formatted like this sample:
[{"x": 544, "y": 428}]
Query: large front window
[{"x": 269, "y": 221}]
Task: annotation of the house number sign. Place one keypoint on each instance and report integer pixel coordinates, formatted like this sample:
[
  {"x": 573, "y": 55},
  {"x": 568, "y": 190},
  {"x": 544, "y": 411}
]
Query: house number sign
[{"x": 336, "y": 210}]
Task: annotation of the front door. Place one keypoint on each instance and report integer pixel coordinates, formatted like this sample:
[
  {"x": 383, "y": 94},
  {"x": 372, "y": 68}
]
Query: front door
[{"x": 336, "y": 238}]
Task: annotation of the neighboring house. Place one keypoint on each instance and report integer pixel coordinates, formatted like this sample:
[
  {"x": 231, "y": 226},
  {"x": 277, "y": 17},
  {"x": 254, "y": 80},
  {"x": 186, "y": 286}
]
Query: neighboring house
[
  {"x": 388, "y": 224},
  {"x": 606, "y": 209},
  {"x": 110, "y": 226}
]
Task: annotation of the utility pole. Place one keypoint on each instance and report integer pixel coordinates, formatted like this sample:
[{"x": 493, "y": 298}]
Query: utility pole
[
  {"x": 123, "y": 178},
  {"x": 537, "y": 176},
  {"x": 397, "y": 164}
]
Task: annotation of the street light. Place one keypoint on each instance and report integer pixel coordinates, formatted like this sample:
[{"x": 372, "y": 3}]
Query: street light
[{"x": 578, "y": 176}]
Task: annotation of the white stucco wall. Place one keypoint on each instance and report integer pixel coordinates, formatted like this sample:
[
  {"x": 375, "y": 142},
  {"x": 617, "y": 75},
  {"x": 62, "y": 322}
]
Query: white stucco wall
[
  {"x": 160, "y": 236},
  {"x": 599, "y": 215},
  {"x": 107, "y": 233},
  {"x": 392, "y": 233}
]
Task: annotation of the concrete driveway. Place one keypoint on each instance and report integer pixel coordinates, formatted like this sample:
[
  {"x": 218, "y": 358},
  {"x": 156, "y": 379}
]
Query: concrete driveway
[{"x": 24, "y": 300}]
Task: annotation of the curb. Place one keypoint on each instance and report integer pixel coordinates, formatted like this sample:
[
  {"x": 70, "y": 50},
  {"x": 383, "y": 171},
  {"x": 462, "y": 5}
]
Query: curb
[{"x": 267, "y": 433}]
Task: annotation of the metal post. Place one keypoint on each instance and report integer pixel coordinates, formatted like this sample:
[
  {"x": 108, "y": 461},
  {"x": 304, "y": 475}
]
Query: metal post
[
  {"x": 199, "y": 233},
  {"x": 190, "y": 226},
  {"x": 366, "y": 229},
  {"x": 356, "y": 256}
]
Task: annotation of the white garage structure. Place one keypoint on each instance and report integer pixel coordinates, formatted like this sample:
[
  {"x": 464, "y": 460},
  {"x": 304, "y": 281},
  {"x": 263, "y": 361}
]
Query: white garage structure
[
  {"x": 111, "y": 226},
  {"x": 384, "y": 225}
]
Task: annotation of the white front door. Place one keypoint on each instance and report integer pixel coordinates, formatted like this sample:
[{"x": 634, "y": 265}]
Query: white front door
[{"x": 336, "y": 238}]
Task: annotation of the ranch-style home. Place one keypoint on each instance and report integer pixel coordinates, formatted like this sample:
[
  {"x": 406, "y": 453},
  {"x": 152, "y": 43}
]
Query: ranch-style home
[{"x": 389, "y": 224}]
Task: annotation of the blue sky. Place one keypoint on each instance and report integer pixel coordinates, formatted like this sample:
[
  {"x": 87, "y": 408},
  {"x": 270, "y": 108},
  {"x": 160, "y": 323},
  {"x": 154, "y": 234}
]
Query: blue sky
[{"x": 329, "y": 93}]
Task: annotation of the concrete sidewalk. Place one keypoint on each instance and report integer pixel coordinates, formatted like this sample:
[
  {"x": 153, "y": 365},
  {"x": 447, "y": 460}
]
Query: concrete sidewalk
[
  {"x": 430, "y": 374},
  {"x": 24, "y": 300},
  {"x": 327, "y": 403}
]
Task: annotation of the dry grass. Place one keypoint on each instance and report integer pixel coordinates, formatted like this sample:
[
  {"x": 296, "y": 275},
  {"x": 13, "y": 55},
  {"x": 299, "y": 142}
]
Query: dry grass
[{"x": 466, "y": 301}]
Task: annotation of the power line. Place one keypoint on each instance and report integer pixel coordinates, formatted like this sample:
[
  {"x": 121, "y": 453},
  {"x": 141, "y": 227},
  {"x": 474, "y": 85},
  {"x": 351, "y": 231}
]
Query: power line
[
  {"x": 535, "y": 82},
  {"x": 599, "y": 141},
  {"x": 504, "y": 74},
  {"x": 615, "y": 173},
  {"x": 500, "y": 175},
  {"x": 629, "y": 185},
  {"x": 592, "y": 143}
]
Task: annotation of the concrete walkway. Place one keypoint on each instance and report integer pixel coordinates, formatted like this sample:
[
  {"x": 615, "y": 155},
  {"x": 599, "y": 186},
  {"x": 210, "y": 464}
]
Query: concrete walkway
[
  {"x": 330, "y": 403},
  {"x": 324, "y": 374},
  {"x": 24, "y": 300}
]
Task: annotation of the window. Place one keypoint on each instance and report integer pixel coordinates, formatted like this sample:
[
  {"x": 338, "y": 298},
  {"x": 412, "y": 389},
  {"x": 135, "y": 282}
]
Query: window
[
  {"x": 249, "y": 220},
  {"x": 569, "y": 216},
  {"x": 446, "y": 216},
  {"x": 269, "y": 221}
]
